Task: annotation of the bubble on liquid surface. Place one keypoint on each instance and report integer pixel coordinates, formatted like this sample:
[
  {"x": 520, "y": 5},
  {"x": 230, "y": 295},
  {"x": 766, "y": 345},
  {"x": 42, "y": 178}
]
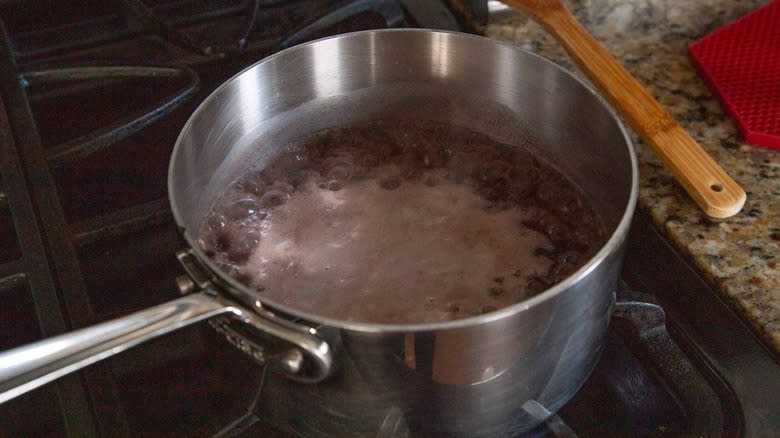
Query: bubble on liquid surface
[
  {"x": 273, "y": 198},
  {"x": 242, "y": 209},
  {"x": 244, "y": 243},
  {"x": 216, "y": 222}
]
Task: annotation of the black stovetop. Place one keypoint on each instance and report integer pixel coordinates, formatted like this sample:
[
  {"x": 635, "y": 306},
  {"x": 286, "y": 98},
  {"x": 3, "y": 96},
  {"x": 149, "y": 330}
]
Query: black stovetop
[{"x": 86, "y": 233}]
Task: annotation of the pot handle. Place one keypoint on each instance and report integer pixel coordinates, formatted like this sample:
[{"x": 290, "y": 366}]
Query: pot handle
[{"x": 25, "y": 368}]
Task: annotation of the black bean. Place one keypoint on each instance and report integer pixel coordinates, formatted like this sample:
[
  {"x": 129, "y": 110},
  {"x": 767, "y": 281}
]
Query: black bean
[
  {"x": 547, "y": 253},
  {"x": 390, "y": 183},
  {"x": 496, "y": 291}
]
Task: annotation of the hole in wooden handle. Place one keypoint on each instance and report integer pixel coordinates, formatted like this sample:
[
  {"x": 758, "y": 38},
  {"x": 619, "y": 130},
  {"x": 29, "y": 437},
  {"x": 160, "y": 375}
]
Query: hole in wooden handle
[{"x": 716, "y": 187}]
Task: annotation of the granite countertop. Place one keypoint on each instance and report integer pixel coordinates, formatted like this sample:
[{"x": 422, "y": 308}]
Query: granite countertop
[{"x": 740, "y": 256}]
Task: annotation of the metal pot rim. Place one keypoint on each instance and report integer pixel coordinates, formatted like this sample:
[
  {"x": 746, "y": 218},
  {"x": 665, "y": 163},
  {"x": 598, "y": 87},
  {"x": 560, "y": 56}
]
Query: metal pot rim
[{"x": 239, "y": 290}]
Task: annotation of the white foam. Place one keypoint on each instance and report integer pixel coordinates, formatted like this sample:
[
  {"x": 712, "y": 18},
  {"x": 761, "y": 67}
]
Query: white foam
[{"x": 417, "y": 253}]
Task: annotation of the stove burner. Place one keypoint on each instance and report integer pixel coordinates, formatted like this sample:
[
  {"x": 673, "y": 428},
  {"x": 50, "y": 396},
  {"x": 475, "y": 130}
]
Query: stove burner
[{"x": 648, "y": 382}]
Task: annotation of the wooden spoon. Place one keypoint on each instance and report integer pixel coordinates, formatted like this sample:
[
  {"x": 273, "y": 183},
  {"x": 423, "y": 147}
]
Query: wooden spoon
[{"x": 711, "y": 187}]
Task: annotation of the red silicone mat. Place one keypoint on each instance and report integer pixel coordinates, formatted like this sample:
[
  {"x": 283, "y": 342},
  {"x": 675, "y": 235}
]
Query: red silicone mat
[{"x": 741, "y": 63}]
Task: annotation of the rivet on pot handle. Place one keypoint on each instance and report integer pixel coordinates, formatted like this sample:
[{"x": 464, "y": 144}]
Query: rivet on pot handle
[
  {"x": 27, "y": 367},
  {"x": 304, "y": 358}
]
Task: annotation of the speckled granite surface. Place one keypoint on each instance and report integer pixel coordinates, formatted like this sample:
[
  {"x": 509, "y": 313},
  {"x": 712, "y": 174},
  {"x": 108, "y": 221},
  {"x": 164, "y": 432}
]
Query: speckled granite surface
[{"x": 739, "y": 255}]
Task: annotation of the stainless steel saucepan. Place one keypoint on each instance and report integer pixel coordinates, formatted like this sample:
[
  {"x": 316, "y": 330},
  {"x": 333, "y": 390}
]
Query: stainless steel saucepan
[{"x": 496, "y": 374}]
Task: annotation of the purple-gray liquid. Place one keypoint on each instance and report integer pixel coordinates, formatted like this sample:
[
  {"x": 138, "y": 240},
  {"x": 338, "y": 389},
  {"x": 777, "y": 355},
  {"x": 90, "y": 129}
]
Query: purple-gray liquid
[{"x": 401, "y": 222}]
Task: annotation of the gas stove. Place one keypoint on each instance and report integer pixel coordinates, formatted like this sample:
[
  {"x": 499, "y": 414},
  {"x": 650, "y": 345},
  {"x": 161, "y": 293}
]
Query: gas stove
[{"x": 94, "y": 95}]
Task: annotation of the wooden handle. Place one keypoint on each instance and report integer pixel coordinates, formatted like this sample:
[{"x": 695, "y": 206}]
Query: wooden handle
[{"x": 704, "y": 180}]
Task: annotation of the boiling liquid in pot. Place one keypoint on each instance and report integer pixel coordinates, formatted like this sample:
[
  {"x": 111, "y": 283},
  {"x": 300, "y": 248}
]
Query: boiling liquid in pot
[{"x": 401, "y": 222}]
